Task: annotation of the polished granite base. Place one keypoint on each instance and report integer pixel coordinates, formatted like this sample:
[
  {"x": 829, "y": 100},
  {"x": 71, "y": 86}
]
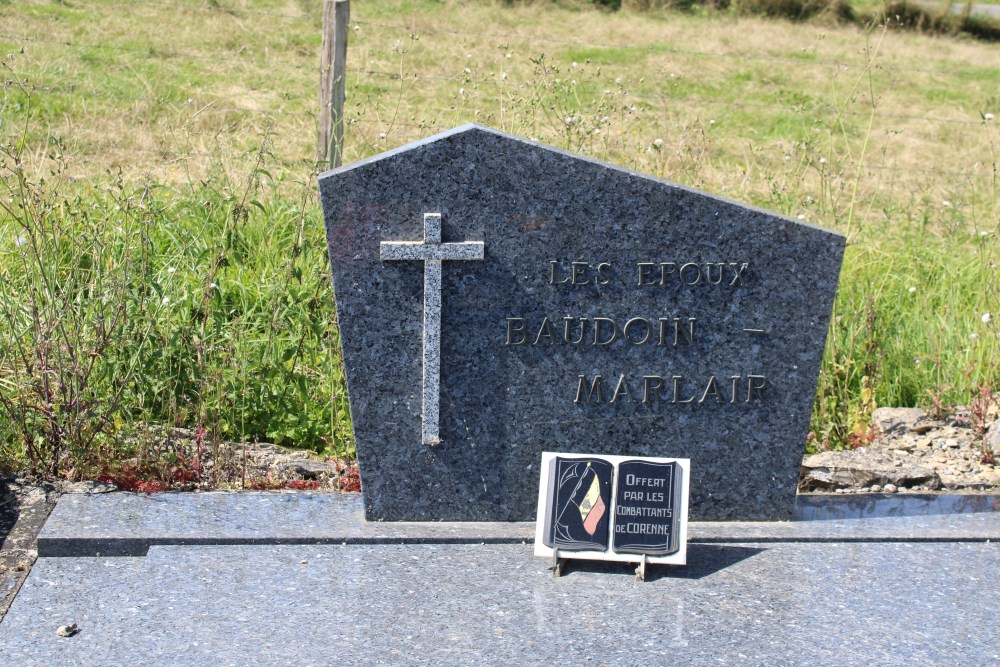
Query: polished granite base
[
  {"x": 920, "y": 597},
  {"x": 126, "y": 524}
]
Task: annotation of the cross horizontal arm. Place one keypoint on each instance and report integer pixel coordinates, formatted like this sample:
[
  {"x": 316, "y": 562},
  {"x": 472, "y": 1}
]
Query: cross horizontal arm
[{"x": 404, "y": 250}]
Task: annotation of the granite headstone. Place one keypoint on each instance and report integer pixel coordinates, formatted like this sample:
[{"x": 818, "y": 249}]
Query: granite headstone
[{"x": 498, "y": 297}]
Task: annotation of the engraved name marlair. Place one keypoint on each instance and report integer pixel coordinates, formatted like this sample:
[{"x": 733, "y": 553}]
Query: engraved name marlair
[{"x": 671, "y": 389}]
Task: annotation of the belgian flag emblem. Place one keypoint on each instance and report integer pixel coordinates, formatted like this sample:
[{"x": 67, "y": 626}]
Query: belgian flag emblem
[{"x": 592, "y": 506}]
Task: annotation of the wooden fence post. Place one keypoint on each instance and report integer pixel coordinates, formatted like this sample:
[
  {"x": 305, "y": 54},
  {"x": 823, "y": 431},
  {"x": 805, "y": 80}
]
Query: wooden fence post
[{"x": 330, "y": 145}]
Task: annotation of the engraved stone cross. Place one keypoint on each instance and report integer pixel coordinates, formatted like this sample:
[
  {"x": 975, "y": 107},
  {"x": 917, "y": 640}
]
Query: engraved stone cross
[{"x": 432, "y": 252}]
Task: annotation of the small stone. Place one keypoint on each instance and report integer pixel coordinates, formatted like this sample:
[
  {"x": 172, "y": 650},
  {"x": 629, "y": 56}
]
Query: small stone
[
  {"x": 889, "y": 488},
  {"x": 993, "y": 435},
  {"x": 309, "y": 469},
  {"x": 67, "y": 630},
  {"x": 950, "y": 443},
  {"x": 876, "y": 488},
  {"x": 896, "y": 420},
  {"x": 920, "y": 429}
]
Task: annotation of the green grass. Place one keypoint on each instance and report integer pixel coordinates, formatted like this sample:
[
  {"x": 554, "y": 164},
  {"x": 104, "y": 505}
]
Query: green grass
[{"x": 206, "y": 115}]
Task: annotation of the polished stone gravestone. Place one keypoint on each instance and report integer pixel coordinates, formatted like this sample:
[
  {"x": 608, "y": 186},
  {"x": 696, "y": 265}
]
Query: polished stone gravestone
[{"x": 498, "y": 297}]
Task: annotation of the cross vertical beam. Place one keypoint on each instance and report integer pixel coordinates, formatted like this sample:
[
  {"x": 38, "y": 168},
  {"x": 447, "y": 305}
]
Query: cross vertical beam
[{"x": 432, "y": 252}]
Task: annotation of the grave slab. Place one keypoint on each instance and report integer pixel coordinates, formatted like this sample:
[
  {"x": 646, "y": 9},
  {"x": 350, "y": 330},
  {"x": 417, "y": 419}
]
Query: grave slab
[
  {"x": 736, "y": 604},
  {"x": 128, "y": 524},
  {"x": 95, "y": 593},
  {"x": 557, "y": 303}
]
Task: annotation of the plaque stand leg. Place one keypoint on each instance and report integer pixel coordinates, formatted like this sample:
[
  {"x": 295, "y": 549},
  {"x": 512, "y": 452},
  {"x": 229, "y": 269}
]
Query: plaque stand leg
[
  {"x": 640, "y": 572},
  {"x": 557, "y": 564}
]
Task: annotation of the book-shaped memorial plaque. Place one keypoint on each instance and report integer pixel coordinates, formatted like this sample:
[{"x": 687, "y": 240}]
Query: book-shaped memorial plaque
[{"x": 620, "y": 508}]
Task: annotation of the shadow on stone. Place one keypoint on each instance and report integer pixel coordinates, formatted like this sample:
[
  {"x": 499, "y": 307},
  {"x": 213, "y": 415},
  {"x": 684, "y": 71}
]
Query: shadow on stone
[
  {"x": 8, "y": 510},
  {"x": 703, "y": 560}
]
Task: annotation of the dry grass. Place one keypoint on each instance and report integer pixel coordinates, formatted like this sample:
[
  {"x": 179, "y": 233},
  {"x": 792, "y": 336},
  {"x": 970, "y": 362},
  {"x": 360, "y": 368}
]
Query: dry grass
[{"x": 170, "y": 88}]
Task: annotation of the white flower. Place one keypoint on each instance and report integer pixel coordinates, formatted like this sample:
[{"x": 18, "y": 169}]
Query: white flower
[
  {"x": 213, "y": 286},
  {"x": 946, "y": 203},
  {"x": 171, "y": 270},
  {"x": 988, "y": 116},
  {"x": 21, "y": 241},
  {"x": 657, "y": 142},
  {"x": 916, "y": 361},
  {"x": 166, "y": 300},
  {"x": 986, "y": 318},
  {"x": 912, "y": 290},
  {"x": 973, "y": 335},
  {"x": 801, "y": 216}
]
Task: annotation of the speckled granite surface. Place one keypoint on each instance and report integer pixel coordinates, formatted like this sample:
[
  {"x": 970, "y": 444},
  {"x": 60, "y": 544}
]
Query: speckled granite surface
[
  {"x": 128, "y": 524},
  {"x": 737, "y": 604},
  {"x": 98, "y": 594},
  {"x": 713, "y": 358}
]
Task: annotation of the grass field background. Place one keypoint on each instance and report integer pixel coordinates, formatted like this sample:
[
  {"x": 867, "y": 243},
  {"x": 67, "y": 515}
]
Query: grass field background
[{"x": 161, "y": 155}]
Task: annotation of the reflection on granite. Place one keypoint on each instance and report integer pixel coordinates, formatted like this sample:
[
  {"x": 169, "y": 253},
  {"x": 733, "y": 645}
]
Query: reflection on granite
[
  {"x": 823, "y": 506},
  {"x": 465, "y": 604}
]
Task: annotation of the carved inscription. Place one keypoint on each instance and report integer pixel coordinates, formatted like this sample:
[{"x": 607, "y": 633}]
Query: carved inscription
[{"x": 656, "y": 330}]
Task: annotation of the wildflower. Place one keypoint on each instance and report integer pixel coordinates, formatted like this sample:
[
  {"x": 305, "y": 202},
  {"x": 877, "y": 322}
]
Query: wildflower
[
  {"x": 171, "y": 270},
  {"x": 987, "y": 116},
  {"x": 912, "y": 290},
  {"x": 657, "y": 142},
  {"x": 946, "y": 203},
  {"x": 916, "y": 361},
  {"x": 973, "y": 335},
  {"x": 986, "y": 318},
  {"x": 21, "y": 241},
  {"x": 166, "y": 300},
  {"x": 213, "y": 286}
]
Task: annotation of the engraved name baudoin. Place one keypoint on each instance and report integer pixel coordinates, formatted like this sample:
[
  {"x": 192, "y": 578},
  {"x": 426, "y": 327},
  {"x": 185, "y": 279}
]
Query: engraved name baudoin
[{"x": 658, "y": 331}]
